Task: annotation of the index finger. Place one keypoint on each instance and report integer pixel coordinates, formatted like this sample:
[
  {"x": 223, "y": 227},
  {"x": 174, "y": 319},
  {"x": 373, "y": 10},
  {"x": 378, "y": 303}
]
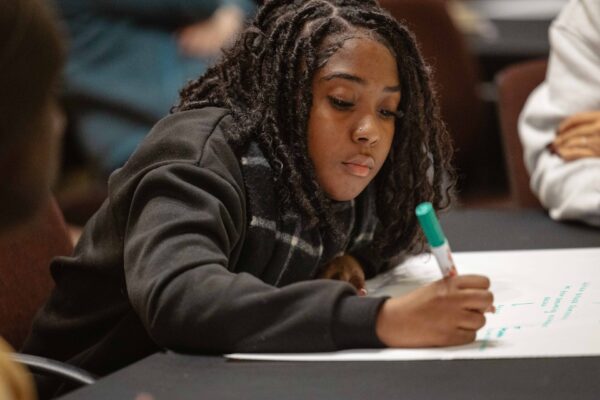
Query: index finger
[
  {"x": 577, "y": 119},
  {"x": 582, "y": 131},
  {"x": 571, "y": 153}
]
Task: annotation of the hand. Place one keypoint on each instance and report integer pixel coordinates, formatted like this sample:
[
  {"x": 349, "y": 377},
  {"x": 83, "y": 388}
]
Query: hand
[
  {"x": 445, "y": 313},
  {"x": 206, "y": 38},
  {"x": 346, "y": 268},
  {"x": 578, "y": 136}
]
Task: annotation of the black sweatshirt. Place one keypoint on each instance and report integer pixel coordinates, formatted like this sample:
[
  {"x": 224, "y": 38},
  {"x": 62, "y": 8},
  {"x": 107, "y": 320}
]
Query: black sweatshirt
[{"x": 153, "y": 268}]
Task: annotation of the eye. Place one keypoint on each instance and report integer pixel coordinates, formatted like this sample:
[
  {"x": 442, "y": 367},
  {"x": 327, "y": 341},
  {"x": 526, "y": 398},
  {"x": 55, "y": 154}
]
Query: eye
[
  {"x": 391, "y": 113},
  {"x": 340, "y": 104}
]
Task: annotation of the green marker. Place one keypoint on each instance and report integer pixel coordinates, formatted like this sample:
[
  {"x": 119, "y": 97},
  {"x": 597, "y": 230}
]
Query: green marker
[{"x": 436, "y": 239}]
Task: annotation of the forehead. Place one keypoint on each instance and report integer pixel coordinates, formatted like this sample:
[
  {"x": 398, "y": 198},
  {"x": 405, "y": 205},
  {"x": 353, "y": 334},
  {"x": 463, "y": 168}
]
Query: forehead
[{"x": 364, "y": 57}]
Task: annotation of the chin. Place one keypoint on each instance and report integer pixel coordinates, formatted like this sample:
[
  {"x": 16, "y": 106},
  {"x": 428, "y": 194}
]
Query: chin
[{"x": 344, "y": 194}]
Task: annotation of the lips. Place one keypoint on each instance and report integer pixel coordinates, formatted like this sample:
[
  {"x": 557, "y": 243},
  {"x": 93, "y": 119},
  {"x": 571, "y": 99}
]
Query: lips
[{"x": 359, "y": 165}]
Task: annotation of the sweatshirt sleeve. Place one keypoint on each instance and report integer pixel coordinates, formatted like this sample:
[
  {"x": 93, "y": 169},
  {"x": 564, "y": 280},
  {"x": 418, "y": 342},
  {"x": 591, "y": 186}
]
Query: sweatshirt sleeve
[
  {"x": 570, "y": 190},
  {"x": 186, "y": 223}
]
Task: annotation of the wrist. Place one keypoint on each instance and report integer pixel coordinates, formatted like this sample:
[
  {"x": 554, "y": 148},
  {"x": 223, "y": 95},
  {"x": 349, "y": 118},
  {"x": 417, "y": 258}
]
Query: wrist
[
  {"x": 381, "y": 323},
  {"x": 354, "y": 322}
]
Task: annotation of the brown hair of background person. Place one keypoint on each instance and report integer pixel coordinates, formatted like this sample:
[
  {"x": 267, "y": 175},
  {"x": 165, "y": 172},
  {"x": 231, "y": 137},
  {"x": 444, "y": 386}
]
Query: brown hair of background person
[{"x": 31, "y": 57}]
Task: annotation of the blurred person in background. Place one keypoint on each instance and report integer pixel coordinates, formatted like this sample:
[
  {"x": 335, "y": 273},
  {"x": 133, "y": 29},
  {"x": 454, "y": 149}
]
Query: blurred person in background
[
  {"x": 31, "y": 56},
  {"x": 129, "y": 58},
  {"x": 560, "y": 124},
  {"x": 30, "y": 136}
]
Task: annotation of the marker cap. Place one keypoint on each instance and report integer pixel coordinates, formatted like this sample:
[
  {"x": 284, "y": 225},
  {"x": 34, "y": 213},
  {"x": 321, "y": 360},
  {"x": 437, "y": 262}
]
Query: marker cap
[{"x": 430, "y": 224}]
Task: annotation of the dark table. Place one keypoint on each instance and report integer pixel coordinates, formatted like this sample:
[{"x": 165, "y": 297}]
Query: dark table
[
  {"x": 174, "y": 376},
  {"x": 475, "y": 230},
  {"x": 518, "y": 31},
  {"x": 516, "y": 39}
]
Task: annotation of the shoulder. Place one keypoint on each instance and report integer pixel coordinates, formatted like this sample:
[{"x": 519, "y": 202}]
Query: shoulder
[
  {"x": 184, "y": 137},
  {"x": 580, "y": 18},
  {"x": 196, "y": 137}
]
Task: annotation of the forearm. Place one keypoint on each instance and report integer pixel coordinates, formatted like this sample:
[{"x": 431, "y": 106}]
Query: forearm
[
  {"x": 569, "y": 190},
  {"x": 572, "y": 86},
  {"x": 211, "y": 310},
  {"x": 185, "y": 11}
]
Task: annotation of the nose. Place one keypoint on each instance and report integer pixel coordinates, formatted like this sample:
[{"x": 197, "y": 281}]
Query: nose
[{"x": 366, "y": 132}]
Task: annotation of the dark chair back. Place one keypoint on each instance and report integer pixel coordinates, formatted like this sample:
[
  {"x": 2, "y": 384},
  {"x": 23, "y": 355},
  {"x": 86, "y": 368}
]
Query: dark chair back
[
  {"x": 515, "y": 83},
  {"x": 25, "y": 281},
  {"x": 455, "y": 72}
]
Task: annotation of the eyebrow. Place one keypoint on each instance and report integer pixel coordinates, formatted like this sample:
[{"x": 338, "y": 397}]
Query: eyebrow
[{"x": 354, "y": 78}]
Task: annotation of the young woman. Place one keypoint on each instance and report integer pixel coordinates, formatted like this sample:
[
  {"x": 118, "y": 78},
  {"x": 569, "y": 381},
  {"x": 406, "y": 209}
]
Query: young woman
[{"x": 306, "y": 148}]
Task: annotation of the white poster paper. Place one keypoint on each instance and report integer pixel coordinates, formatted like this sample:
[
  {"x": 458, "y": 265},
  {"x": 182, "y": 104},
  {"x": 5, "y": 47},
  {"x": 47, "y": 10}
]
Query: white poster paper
[{"x": 547, "y": 305}]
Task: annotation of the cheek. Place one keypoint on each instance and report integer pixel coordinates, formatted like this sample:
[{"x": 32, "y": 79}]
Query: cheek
[
  {"x": 387, "y": 142},
  {"x": 47, "y": 154},
  {"x": 321, "y": 132},
  {"x": 311, "y": 136}
]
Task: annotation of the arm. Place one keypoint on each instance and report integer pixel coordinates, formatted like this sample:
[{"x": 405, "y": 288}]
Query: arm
[
  {"x": 178, "y": 248},
  {"x": 207, "y": 37},
  {"x": 578, "y": 137},
  {"x": 569, "y": 189},
  {"x": 186, "y": 11},
  {"x": 177, "y": 256}
]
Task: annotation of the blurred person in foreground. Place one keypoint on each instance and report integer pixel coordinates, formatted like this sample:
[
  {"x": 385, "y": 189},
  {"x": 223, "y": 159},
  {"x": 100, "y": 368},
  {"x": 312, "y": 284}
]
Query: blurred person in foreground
[
  {"x": 127, "y": 61},
  {"x": 31, "y": 57},
  {"x": 560, "y": 124}
]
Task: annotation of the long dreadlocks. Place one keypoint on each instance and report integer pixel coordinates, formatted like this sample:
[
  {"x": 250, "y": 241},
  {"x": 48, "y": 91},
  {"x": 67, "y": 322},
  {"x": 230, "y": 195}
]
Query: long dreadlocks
[{"x": 265, "y": 79}]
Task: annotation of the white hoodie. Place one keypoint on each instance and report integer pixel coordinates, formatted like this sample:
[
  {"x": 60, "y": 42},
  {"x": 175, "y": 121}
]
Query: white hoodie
[{"x": 570, "y": 190}]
